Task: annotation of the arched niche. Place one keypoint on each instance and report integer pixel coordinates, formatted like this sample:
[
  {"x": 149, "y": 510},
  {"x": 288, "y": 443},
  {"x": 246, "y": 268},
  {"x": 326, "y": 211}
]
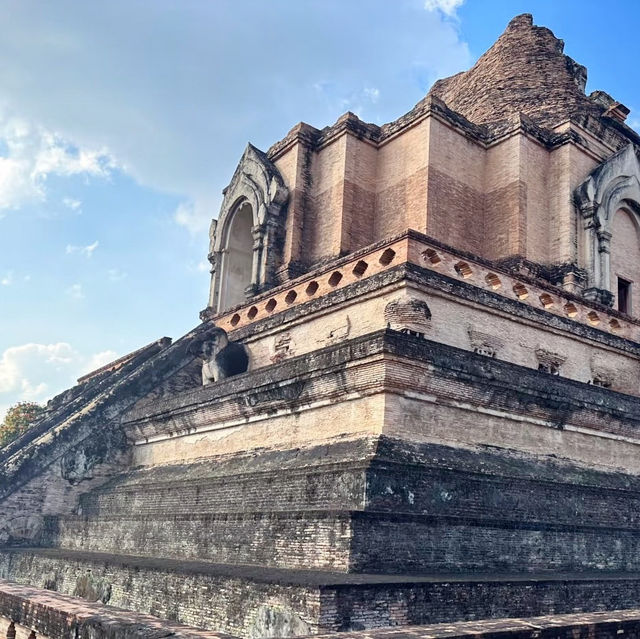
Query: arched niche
[
  {"x": 612, "y": 187},
  {"x": 237, "y": 256},
  {"x": 246, "y": 239},
  {"x": 625, "y": 260}
]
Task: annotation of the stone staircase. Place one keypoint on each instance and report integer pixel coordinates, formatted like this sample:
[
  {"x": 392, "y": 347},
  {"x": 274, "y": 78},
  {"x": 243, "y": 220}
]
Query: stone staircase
[{"x": 352, "y": 535}]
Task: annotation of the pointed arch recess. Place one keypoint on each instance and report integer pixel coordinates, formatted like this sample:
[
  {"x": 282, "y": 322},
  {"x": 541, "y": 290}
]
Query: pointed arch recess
[
  {"x": 256, "y": 183},
  {"x": 614, "y": 184}
]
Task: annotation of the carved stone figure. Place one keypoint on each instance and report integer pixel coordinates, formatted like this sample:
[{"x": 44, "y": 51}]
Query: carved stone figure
[{"x": 220, "y": 357}]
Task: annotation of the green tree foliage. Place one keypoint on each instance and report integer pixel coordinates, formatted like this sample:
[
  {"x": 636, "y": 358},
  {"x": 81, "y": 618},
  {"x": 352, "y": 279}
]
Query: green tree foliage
[{"x": 18, "y": 420}]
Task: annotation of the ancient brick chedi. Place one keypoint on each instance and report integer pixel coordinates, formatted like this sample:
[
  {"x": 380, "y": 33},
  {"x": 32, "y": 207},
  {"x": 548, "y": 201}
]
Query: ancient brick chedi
[{"x": 413, "y": 397}]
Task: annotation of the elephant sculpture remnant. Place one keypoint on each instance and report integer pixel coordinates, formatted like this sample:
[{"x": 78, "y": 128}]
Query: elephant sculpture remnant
[{"x": 220, "y": 357}]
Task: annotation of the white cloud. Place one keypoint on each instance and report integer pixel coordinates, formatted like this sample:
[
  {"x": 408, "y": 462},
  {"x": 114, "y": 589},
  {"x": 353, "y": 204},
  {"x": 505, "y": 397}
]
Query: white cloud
[
  {"x": 372, "y": 94},
  {"x": 194, "y": 216},
  {"x": 36, "y": 372},
  {"x": 98, "y": 361},
  {"x": 25, "y": 370},
  {"x": 75, "y": 291},
  {"x": 7, "y": 279},
  {"x": 116, "y": 275},
  {"x": 178, "y": 119},
  {"x": 202, "y": 266},
  {"x": 87, "y": 251},
  {"x": 447, "y": 7},
  {"x": 72, "y": 203},
  {"x": 33, "y": 154}
]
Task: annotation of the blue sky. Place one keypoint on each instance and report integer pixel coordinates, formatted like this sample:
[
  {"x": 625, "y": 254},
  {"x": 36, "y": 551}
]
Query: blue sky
[{"x": 122, "y": 121}]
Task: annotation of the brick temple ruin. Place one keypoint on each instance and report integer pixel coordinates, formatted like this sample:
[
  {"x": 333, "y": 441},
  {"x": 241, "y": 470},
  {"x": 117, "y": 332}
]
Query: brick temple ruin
[{"x": 413, "y": 399}]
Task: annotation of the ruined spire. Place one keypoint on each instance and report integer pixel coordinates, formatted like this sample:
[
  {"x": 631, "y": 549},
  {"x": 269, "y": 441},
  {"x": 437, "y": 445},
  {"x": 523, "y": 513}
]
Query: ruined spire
[{"x": 525, "y": 71}]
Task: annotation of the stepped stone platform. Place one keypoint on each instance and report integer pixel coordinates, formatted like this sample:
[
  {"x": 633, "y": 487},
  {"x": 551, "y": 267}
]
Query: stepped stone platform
[
  {"x": 327, "y": 600},
  {"x": 361, "y": 530},
  {"x": 31, "y": 611}
]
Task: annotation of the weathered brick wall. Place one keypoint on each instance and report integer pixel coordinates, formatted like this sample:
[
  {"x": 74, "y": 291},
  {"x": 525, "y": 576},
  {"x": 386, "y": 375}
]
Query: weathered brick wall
[
  {"x": 450, "y": 601},
  {"x": 54, "y": 616},
  {"x": 458, "y": 309},
  {"x": 401, "y": 182},
  {"x": 324, "y": 214},
  {"x": 309, "y": 540},
  {"x": 327, "y": 478},
  {"x": 535, "y": 167},
  {"x": 244, "y": 606},
  {"x": 500, "y": 486},
  {"x": 596, "y": 625},
  {"x": 49, "y": 493},
  {"x": 441, "y": 544},
  {"x": 359, "y": 195},
  {"x": 456, "y": 200},
  {"x": 224, "y": 603}
]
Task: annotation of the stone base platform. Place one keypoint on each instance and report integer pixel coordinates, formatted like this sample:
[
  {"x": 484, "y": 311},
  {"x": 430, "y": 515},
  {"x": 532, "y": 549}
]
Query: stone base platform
[
  {"x": 244, "y": 600},
  {"x": 595, "y": 625},
  {"x": 51, "y": 615}
]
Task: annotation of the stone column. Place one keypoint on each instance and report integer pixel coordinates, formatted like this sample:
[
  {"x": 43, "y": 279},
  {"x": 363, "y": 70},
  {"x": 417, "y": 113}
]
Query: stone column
[
  {"x": 592, "y": 260},
  {"x": 604, "y": 254},
  {"x": 257, "y": 232},
  {"x": 269, "y": 253},
  {"x": 596, "y": 247},
  {"x": 215, "y": 259}
]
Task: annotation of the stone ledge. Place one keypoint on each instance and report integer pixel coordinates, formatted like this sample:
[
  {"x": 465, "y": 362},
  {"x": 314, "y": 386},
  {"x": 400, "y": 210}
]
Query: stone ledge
[
  {"x": 59, "y": 616},
  {"x": 593, "y": 625},
  {"x": 514, "y": 387},
  {"x": 318, "y": 578}
]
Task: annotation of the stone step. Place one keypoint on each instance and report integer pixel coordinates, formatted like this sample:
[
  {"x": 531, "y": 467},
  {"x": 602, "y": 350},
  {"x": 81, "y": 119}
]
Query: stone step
[
  {"x": 51, "y": 614},
  {"x": 315, "y": 539},
  {"x": 328, "y": 477},
  {"x": 422, "y": 480},
  {"x": 238, "y": 599},
  {"x": 355, "y": 541}
]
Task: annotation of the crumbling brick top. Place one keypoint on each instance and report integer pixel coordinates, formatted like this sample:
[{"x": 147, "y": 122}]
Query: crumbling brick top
[{"x": 525, "y": 71}]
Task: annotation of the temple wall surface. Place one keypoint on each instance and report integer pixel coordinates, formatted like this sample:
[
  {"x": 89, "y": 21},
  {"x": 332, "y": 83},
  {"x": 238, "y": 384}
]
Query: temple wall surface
[
  {"x": 401, "y": 182},
  {"x": 456, "y": 199},
  {"x": 512, "y": 197}
]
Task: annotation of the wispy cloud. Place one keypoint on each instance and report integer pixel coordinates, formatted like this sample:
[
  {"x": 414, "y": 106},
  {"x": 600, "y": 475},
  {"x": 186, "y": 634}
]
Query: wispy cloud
[
  {"x": 33, "y": 154},
  {"x": 195, "y": 216},
  {"x": 132, "y": 107},
  {"x": 73, "y": 204},
  {"x": 448, "y": 7},
  {"x": 98, "y": 360},
  {"x": 7, "y": 279},
  {"x": 75, "y": 291},
  {"x": 87, "y": 251},
  {"x": 35, "y": 372},
  {"x": 202, "y": 266},
  {"x": 116, "y": 275}
]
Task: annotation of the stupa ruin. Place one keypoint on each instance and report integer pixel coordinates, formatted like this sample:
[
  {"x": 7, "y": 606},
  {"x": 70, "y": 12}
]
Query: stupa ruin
[{"x": 412, "y": 398}]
